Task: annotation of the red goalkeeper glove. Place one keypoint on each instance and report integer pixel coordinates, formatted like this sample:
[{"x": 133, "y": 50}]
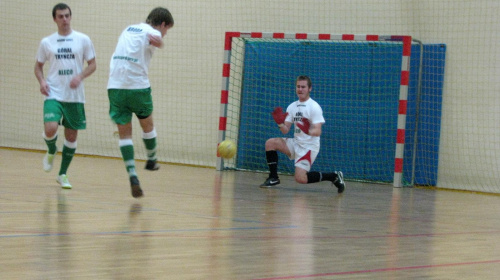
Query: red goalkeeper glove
[
  {"x": 279, "y": 116},
  {"x": 304, "y": 126}
]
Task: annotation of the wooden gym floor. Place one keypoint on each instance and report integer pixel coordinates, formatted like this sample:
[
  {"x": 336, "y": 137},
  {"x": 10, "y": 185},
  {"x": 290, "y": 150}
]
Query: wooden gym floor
[{"x": 197, "y": 223}]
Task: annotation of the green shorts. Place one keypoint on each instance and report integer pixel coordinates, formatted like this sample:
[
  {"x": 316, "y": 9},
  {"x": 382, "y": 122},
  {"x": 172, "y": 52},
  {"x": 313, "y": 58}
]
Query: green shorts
[
  {"x": 125, "y": 102},
  {"x": 72, "y": 114}
]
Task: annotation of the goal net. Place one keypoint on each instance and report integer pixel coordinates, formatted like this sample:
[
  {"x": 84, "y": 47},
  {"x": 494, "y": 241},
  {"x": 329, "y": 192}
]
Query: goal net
[{"x": 361, "y": 82}]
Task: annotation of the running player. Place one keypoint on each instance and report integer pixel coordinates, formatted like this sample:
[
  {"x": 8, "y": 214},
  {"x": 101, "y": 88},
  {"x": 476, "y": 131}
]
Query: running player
[
  {"x": 307, "y": 117},
  {"x": 66, "y": 51}
]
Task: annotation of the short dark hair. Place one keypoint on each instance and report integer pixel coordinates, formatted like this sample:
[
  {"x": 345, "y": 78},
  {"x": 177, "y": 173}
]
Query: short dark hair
[
  {"x": 304, "y": 78},
  {"x": 159, "y": 15},
  {"x": 60, "y": 6}
]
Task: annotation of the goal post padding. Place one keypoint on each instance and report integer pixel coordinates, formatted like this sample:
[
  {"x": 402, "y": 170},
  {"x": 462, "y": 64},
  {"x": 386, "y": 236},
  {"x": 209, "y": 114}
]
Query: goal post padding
[{"x": 360, "y": 84}]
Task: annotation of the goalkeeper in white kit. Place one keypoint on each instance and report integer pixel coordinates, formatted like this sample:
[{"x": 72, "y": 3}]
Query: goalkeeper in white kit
[{"x": 307, "y": 117}]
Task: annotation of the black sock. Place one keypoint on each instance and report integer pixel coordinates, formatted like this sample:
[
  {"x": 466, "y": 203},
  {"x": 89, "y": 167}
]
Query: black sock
[
  {"x": 314, "y": 177},
  {"x": 330, "y": 176},
  {"x": 272, "y": 161}
]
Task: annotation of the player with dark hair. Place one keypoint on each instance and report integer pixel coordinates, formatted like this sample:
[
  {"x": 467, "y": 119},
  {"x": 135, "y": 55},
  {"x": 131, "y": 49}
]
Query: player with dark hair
[
  {"x": 307, "y": 117},
  {"x": 129, "y": 89},
  {"x": 66, "y": 50}
]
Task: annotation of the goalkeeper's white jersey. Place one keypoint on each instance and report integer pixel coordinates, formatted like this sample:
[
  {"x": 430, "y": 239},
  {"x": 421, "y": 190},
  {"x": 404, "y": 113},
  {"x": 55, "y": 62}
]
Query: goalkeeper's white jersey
[
  {"x": 67, "y": 56},
  {"x": 311, "y": 110},
  {"x": 129, "y": 64}
]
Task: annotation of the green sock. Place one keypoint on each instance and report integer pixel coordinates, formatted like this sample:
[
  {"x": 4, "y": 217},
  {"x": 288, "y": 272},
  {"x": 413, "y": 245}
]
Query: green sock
[
  {"x": 150, "y": 148},
  {"x": 67, "y": 156},
  {"x": 51, "y": 144},
  {"x": 127, "y": 150},
  {"x": 149, "y": 139}
]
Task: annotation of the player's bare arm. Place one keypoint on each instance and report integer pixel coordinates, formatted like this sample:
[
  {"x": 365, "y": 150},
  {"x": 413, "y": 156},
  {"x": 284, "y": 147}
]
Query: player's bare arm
[
  {"x": 315, "y": 129},
  {"x": 44, "y": 87},
  {"x": 155, "y": 41},
  {"x": 91, "y": 67},
  {"x": 285, "y": 128}
]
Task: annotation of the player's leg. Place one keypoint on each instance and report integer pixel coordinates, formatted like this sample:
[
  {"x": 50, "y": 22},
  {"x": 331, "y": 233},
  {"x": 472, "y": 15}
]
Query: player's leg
[
  {"x": 52, "y": 113},
  {"x": 149, "y": 138},
  {"x": 73, "y": 120},
  {"x": 127, "y": 147},
  {"x": 144, "y": 111},
  {"x": 303, "y": 175},
  {"x": 273, "y": 145},
  {"x": 50, "y": 138},
  {"x": 127, "y": 150},
  {"x": 304, "y": 160},
  {"x": 68, "y": 152},
  {"x": 335, "y": 177},
  {"x": 122, "y": 117}
]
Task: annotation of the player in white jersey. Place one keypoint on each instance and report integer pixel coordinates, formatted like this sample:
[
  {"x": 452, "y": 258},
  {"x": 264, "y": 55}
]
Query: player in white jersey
[
  {"x": 307, "y": 117},
  {"x": 66, "y": 51},
  {"x": 129, "y": 90}
]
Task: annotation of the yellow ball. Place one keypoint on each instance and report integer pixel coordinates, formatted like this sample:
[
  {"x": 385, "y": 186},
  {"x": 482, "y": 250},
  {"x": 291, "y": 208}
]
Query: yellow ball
[{"x": 226, "y": 149}]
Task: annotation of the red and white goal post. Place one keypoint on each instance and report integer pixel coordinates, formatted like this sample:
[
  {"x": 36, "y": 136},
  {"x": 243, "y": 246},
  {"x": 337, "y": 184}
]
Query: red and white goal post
[{"x": 406, "y": 42}]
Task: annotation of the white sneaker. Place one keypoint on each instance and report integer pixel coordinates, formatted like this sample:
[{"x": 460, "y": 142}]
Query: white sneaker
[
  {"x": 63, "y": 180},
  {"x": 48, "y": 161}
]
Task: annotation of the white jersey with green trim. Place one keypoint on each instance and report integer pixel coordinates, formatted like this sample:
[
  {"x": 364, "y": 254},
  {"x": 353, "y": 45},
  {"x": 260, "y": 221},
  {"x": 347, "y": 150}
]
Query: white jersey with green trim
[
  {"x": 129, "y": 64},
  {"x": 311, "y": 110},
  {"x": 67, "y": 56}
]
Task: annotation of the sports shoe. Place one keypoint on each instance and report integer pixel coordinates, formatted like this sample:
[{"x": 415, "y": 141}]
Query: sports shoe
[
  {"x": 63, "y": 180},
  {"x": 270, "y": 182},
  {"x": 339, "y": 182},
  {"x": 152, "y": 165},
  {"x": 136, "y": 187},
  {"x": 48, "y": 161}
]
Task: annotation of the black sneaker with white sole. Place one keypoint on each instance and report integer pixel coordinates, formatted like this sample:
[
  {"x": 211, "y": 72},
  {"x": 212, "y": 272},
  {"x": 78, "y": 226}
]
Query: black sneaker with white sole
[
  {"x": 270, "y": 182},
  {"x": 339, "y": 182},
  {"x": 152, "y": 165}
]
